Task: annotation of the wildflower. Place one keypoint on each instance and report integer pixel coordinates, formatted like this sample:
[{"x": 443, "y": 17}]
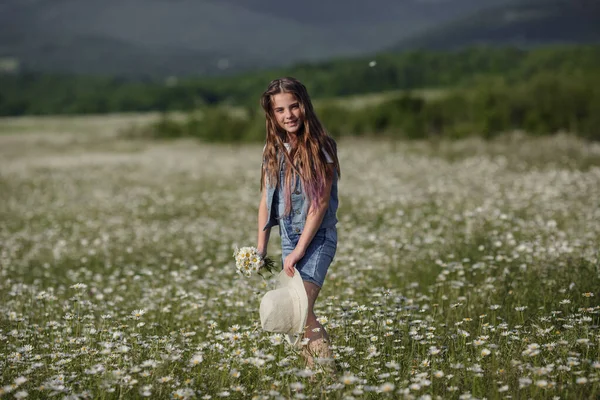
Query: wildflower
[
  {"x": 149, "y": 364},
  {"x": 305, "y": 373},
  {"x": 438, "y": 374},
  {"x": 463, "y": 333},
  {"x": 238, "y": 389},
  {"x": 235, "y": 373},
  {"x": 386, "y": 387},
  {"x": 20, "y": 380},
  {"x": 146, "y": 391},
  {"x": 248, "y": 261},
  {"x": 276, "y": 339},
  {"x": 588, "y": 294},
  {"x": 392, "y": 365},
  {"x": 485, "y": 352},
  {"x": 524, "y": 382},
  {"x": 137, "y": 314},
  {"x": 185, "y": 393},
  {"x": 531, "y": 350},
  {"x": 348, "y": 379},
  {"x": 196, "y": 359},
  {"x": 581, "y": 380}
]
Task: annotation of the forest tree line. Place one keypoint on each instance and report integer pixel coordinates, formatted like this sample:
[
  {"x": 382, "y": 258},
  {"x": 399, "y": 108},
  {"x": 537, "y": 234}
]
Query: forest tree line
[{"x": 29, "y": 93}]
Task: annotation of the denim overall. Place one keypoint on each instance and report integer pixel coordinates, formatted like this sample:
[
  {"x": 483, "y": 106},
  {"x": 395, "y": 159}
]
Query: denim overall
[{"x": 320, "y": 252}]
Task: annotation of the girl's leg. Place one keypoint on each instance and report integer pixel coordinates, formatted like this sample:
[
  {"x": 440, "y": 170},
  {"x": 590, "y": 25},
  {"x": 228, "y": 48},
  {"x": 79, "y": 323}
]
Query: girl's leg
[
  {"x": 317, "y": 349},
  {"x": 313, "y": 330}
]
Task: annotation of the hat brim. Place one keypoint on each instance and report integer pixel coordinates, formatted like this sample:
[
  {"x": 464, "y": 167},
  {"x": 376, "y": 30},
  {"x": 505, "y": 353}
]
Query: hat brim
[{"x": 297, "y": 285}]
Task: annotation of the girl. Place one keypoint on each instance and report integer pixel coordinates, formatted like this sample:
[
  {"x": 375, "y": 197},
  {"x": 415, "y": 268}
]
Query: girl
[{"x": 299, "y": 193}]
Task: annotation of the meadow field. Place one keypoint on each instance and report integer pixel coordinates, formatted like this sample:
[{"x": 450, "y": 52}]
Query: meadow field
[{"x": 465, "y": 269}]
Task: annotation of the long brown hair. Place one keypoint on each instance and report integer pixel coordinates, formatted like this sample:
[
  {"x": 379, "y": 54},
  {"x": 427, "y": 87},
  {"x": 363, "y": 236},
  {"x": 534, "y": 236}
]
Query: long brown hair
[{"x": 306, "y": 160}]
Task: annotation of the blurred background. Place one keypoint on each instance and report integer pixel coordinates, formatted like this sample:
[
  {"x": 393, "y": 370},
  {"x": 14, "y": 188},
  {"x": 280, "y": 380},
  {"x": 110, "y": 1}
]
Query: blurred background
[{"x": 390, "y": 68}]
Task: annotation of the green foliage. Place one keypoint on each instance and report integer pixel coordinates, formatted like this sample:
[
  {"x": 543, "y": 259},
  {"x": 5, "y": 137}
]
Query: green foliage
[
  {"x": 30, "y": 93},
  {"x": 168, "y": 128},
  {"x": 544, "y": 105},
  {"x": 215, "y": 124}
]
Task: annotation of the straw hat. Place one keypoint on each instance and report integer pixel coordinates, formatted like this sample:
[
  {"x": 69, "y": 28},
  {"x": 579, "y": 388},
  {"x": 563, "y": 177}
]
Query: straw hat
[{"x": 285, "y": 308}]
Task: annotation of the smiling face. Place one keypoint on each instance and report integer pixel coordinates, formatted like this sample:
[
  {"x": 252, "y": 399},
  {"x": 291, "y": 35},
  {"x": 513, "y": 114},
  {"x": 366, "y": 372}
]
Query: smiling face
[{"x": 287, "y": 112}]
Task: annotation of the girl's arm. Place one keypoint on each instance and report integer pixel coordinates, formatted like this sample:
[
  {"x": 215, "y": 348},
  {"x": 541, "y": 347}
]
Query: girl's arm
[
  {"x": 263, "y": 235},
  {"x": 311, "y": 226}
]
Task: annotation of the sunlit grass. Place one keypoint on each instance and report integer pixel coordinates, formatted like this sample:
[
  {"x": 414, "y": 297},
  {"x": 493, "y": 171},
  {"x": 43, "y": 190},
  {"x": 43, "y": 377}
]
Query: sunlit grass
[
  {"x": 80, "y": 124},
  {"x": 464, "y": 270}
]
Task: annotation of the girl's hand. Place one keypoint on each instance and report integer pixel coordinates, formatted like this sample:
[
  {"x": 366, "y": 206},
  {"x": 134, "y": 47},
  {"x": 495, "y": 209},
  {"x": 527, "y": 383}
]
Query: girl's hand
[
  {"x": 262, "y": 253},
  {"x": 291, "y": 260}
]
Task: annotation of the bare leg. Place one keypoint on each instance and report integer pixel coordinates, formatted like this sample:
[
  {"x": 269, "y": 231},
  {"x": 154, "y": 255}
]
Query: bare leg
[
  {"x": 313, "y": 330},
  {"x": 317, "y": 350}
]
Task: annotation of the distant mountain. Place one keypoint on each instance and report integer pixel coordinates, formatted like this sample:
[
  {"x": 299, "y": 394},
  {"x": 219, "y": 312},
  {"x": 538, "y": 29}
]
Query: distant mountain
[
  {"x": 103, "y": 55},
  {"x": 184, "y": 37},
  {"x": 522, "y": 23}
]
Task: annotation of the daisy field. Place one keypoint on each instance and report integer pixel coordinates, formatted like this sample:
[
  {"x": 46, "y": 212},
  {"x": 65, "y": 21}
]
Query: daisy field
[{"x": 464, "y": 270}]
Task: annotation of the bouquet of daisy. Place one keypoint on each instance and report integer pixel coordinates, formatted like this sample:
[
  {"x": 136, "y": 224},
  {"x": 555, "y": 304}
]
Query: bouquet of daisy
[{"x": 249, "y": 261}]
